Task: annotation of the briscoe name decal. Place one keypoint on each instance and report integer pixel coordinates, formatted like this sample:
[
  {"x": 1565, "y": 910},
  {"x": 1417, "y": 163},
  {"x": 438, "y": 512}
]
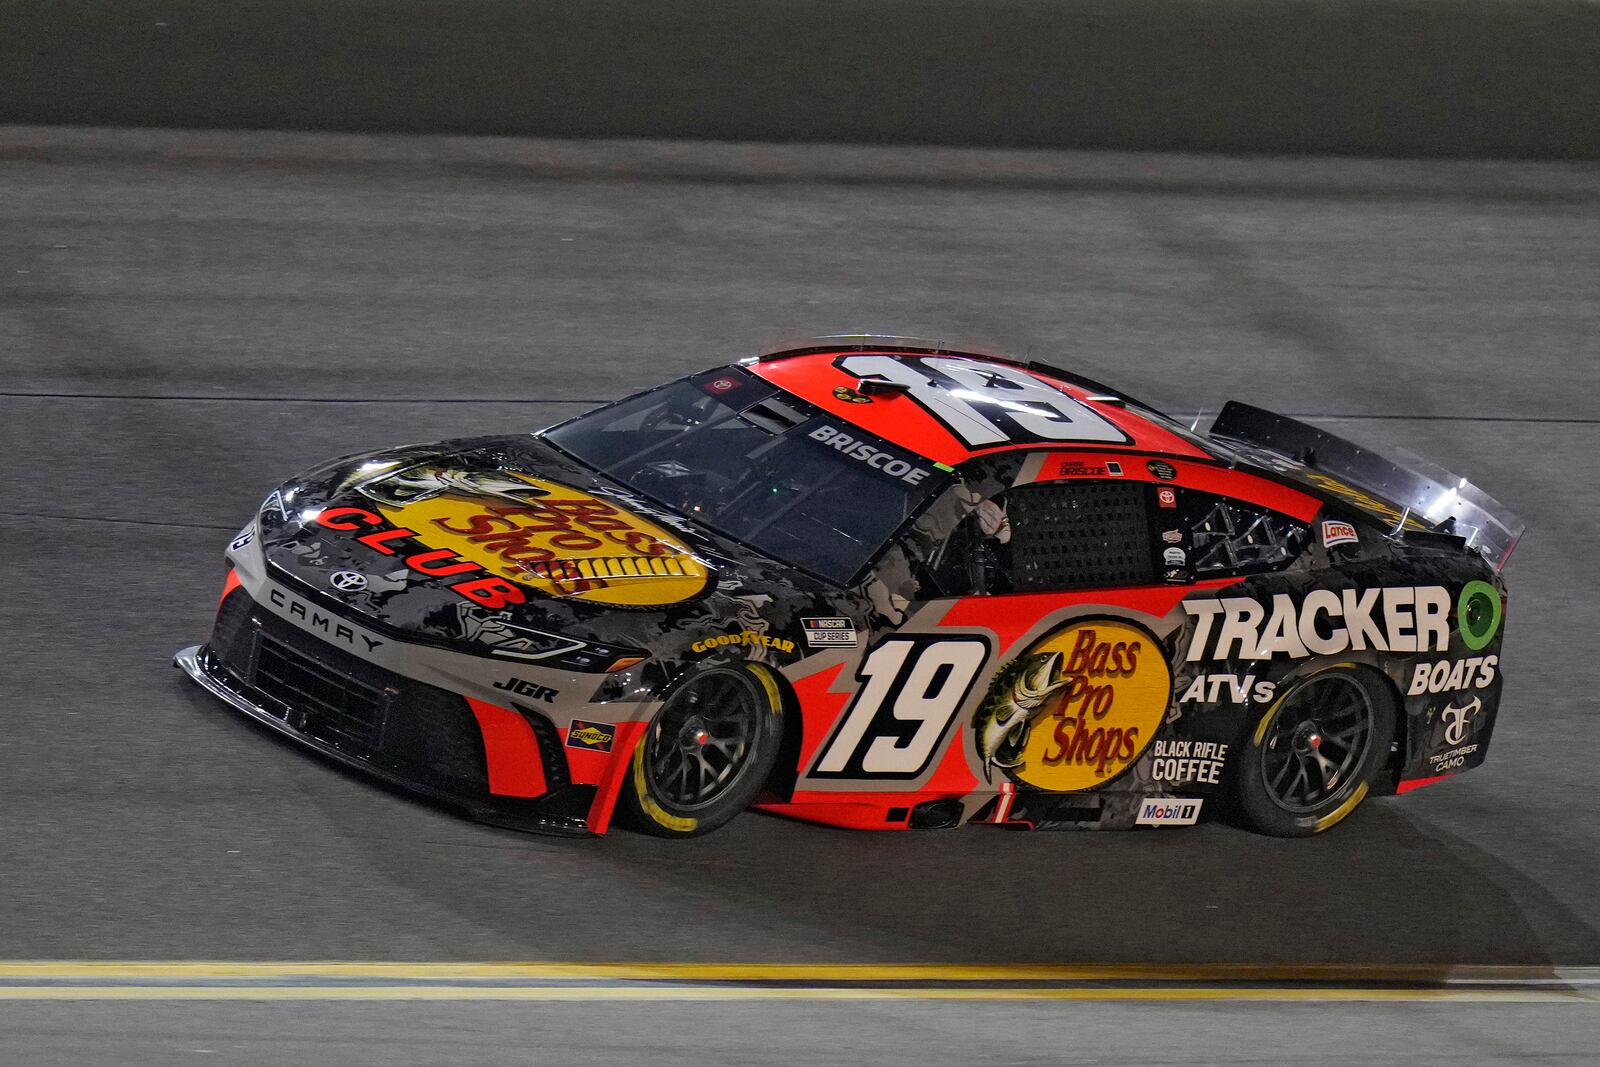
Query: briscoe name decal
[
  {"x": 1324, "y": 623},
  {"x": 874, "y": 457},
  {"x": 1445, "y": 676}
]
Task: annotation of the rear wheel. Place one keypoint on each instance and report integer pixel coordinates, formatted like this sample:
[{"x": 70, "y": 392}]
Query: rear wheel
[
  {"x": 707, "y": 752},
  {"x": 1316, "y": 752}
]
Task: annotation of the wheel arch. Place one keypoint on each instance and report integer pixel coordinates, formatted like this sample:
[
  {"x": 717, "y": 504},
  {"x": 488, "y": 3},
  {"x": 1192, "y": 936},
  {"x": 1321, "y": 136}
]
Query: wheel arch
[{"x": 786, "y": 772}]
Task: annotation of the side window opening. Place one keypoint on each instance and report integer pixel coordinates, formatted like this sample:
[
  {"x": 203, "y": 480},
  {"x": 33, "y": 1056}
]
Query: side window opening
[
  {"x": 1050, "y": 537},
  {"x": 1230, "y": 537},
  {"x": 1069, "y": 535}
]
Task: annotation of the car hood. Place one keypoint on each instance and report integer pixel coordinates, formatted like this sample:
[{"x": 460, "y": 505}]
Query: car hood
[{"x": 505, "y": 543}]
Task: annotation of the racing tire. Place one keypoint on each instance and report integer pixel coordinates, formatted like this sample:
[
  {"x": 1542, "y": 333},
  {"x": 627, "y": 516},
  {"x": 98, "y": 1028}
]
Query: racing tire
[
  {"x": 1316, "y": 752},
  {"x": 707, "y": 752}
]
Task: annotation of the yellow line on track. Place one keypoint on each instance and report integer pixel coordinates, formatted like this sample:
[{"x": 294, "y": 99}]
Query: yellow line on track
[
  {"x": 177, "y": 970},
  {"x": 534, "y": 981},
  {"x": 727, "y": 993}
]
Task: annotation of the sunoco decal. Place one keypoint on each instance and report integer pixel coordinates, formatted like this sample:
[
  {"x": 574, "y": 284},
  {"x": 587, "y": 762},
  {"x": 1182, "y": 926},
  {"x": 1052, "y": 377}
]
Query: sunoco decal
[
  {"x": 1076, "y": 709},
  {"x": 595, "y": 736}
]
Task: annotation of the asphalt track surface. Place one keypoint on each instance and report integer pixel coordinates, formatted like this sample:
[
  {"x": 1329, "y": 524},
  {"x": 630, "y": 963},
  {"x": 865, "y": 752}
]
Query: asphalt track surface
[{"x": 184, "y": 319}]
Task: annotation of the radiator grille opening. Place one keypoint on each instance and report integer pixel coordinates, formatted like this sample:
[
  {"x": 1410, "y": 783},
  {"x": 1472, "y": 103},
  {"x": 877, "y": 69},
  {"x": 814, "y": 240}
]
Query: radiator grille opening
[
  {"x": 332, "y": 707},
  {"x": 362, "y": 709}
]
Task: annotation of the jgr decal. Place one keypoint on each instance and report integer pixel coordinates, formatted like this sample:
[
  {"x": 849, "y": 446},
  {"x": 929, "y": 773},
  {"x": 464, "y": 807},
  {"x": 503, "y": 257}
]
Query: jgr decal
[
  {"x": 1448, "y": 676},
  {"x": 1324, "y": 623},
  {"x": 911, "y": 690},
  {"x": 987, "y": 404},
  {"x": 1076, "y": 709},
  {"x": 523, "y": 688}
]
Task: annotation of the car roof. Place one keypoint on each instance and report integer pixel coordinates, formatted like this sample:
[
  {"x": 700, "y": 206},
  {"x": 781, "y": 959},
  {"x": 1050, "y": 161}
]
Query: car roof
[{"x": 955, "y": 404}]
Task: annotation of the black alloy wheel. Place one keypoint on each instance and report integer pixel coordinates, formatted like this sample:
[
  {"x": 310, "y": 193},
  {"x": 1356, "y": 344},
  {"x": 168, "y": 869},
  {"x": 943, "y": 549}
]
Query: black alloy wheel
[
  {"x": 1316, "y": 752},
  {"x": 707, "y": 752}
]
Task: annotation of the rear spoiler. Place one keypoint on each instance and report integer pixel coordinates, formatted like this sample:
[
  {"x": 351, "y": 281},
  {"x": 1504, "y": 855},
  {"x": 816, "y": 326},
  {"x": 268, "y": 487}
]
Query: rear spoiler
[{"x": 1410, "y": 495}]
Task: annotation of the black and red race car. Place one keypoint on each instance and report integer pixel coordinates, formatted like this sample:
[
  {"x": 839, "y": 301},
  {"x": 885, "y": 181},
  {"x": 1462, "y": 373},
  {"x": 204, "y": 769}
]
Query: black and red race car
[{"x": 879, "y": 584}]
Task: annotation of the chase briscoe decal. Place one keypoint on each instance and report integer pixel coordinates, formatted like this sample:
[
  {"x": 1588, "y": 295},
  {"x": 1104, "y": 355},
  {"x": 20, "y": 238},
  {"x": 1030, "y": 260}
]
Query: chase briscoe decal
[
  {"x": 875, "y": 458},
  {"x": 830, "y": 633},
  {"x": 1338, "y": 533},
  {"x": 1168, "y": 811},
  {"x": 595, "y": 736}
]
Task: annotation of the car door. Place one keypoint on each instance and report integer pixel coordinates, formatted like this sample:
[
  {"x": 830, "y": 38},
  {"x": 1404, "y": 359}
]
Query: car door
[{"x": 1025, "y": 658}]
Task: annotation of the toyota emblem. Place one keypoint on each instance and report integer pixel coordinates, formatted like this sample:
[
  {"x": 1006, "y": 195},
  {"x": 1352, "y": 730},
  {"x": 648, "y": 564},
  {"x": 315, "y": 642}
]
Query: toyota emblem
[{"x": 348, "y": 581}]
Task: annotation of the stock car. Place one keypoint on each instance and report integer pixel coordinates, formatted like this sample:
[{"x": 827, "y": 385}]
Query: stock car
[{"x": 878, "y": 584}]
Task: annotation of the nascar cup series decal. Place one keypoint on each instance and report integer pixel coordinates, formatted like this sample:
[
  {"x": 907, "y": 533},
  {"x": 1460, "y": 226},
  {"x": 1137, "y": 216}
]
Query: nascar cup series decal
[
  {"x": 488, "y": 527},
  {"x": 1076, "y": 709}
]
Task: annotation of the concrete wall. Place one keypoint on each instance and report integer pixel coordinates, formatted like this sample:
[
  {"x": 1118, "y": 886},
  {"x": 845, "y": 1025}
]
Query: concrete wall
[{"x": 1378, "y": 77}]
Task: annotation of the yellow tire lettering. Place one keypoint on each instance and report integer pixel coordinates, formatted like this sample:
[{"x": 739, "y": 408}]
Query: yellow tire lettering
[
  {"x": 1342, "y": 810},
  {"x": 661, "y": 816}
]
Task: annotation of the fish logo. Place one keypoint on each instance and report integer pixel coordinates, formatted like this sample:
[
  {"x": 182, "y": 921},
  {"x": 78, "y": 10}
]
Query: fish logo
[
  {"x": 1001, "y": 731},
  {"x": 427, "y": 480}
]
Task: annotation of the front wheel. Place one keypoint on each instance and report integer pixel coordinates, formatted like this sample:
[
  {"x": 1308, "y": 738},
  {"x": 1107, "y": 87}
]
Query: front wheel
[
  {"x": 1316, "y": 752},
  {"x": 707, "y": 752}
]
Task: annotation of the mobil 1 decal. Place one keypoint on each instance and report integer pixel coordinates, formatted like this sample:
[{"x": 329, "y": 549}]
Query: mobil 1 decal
[
  {"x": 986, "y": 404},
  {"x": 1076, "y": 709}
]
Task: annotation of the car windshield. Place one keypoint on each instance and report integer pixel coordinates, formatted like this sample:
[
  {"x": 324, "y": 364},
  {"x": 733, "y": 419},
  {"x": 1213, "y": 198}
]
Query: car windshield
[{"x": 736, "y": 454}]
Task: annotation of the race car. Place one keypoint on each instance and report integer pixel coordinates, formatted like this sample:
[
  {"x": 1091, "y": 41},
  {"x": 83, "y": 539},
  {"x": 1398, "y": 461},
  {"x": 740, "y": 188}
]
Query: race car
[{"x": 883, "y": 584}]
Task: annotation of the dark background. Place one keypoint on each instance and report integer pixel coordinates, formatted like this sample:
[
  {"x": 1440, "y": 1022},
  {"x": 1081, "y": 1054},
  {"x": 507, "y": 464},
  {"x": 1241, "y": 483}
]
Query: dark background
[{"x": 1509, "y": 78}]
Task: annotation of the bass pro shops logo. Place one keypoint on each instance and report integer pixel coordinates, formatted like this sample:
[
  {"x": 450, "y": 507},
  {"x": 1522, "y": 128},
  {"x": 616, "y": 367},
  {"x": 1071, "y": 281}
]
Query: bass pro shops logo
[
  {"x": 1076, "y": 709},
  {"x": 496, "y": 533}
]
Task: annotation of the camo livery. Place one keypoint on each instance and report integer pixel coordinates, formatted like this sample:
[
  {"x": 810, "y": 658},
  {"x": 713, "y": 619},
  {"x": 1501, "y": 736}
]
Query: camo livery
[{"x": 493, "y": 623}]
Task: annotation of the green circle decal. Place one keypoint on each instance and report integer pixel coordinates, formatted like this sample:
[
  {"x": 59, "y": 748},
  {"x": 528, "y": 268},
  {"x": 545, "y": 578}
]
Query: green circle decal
[{"x": 1478, "y": 614}]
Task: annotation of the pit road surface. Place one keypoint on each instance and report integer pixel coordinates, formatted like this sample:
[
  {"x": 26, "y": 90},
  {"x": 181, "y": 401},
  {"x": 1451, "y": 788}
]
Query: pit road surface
[{"x": 185, "y": 319}]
